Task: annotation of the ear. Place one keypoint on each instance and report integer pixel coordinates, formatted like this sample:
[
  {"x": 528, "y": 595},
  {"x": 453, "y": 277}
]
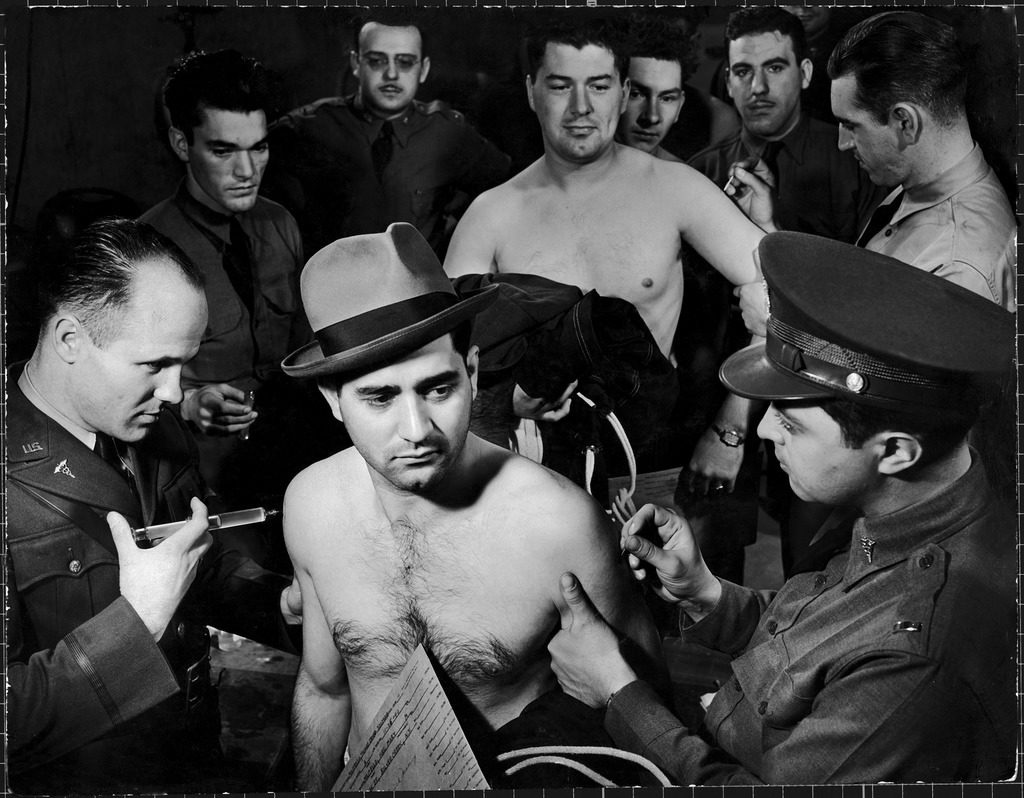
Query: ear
[
  {"x": 529, "y": 93},
  {"x": 624, "y": 101},
  {"x": 68, "y": 338},
  {"x": 806, "y": 71},
  {"x": 333, "y": 398},
  {"x": 906, "y": 121},
  {"x": 900, "y": 451},
  {"x": 473, "y": 366},
  {"x": 353, "y": 60},
  {"x": 425, "y": 69},
  {"x": 179, "y": 144}
]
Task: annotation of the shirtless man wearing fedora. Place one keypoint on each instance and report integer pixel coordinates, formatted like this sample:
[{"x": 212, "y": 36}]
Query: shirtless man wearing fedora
[{"x": 422, "y": 532}]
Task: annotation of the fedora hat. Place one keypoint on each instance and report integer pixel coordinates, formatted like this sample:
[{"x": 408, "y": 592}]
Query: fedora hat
[
  {"x": 847, "y": 322},
  {"x": 372, "y": 298}
]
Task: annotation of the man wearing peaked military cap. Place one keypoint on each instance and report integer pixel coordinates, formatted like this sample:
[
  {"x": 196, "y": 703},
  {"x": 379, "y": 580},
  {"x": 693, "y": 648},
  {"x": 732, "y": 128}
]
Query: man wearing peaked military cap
[
  {"x": 422, "y": 532},
  {"x": 893, "y": 660}
]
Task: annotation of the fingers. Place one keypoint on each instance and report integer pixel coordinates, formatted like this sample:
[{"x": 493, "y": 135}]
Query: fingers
[
  {"x": 645, "y": 551},
  {"x": 121, "y": 532},
  {"x": 579, "y": 607}
]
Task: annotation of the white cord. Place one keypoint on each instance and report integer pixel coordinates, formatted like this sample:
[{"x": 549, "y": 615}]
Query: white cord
[
  {"x": 592, "y": 750},
  {"x": 627, "y": 447},
  {"x": 565, "y": 762}
]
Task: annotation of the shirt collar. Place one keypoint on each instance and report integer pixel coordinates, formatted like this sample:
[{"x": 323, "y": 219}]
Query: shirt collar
[
  {"x": 884, "y": 540},
  {"x": 216, "y": 223},
  {"x": 795, "y": 140},
  {"x": 41, "y": 404},
  {"x": 399, "y": 124},
  {"x": 970, "y": 169}
]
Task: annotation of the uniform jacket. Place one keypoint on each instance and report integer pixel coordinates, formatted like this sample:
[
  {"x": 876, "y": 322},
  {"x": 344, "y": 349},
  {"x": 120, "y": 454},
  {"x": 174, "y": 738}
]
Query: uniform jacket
[
  {"x": 238, "y": 347},
  {"x": 85, "y": 675},
  {"x": 893, "y": 663},
  {"x": 322, "y": 169}
]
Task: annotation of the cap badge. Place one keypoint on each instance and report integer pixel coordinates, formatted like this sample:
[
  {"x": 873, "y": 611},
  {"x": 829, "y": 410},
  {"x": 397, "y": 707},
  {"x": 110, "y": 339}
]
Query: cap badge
[{"x": 855, "y": 382}]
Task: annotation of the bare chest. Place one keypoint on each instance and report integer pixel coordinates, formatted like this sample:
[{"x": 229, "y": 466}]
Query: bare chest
[
  {"x": 632, "y": 252},
  {"x": 483, "y": 621}
]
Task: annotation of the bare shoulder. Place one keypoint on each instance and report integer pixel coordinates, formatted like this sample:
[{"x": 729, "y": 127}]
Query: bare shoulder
[
  {"x": 545, "y": 504},
  {"x": 325, "y": 489}
]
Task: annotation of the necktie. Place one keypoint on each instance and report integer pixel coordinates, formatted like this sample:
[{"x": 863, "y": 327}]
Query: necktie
[
  {"x": 382, "y": 148},
  {"x": 106, "y": 447},
  {"x": 881, "y": 216},
  {"x": 770, "y": 156},
  {"x": 238, "y": 263}
]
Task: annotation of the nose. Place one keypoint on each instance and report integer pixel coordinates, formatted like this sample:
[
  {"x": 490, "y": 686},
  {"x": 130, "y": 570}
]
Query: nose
[
  {"x": 759, "y": 82},
  {"x": 415, "y": 423},
  {"x": 244, "y": 167},
  {"x": 580, "y": 101},
  {"x": 168, "y": 387},
  {"x": 768, "y": 428},
  {"x": 649, "y": 114},
  {"x": 845, "y": 139},
  {"x": 391, "y": 70}
]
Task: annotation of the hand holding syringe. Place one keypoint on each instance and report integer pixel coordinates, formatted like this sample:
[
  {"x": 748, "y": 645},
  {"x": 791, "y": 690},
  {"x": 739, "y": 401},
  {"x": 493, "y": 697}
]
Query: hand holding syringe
[{"x": 154, "y": 534}]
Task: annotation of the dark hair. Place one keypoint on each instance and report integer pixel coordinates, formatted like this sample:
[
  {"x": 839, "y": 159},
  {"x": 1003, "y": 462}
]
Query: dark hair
[
  {"x": 461, "y": 339},
  {"x": 902, "y": 56},
  {"x": 577, "y": 32},
  {"x": 649, "y": 36},
  {"x": 938, "y": 432},
  {"x": 225, "y": 80},
  {"x": 96, "y": 281},
  {"x": 396, "y": 17},
  {"x": 766, "y": 19}
]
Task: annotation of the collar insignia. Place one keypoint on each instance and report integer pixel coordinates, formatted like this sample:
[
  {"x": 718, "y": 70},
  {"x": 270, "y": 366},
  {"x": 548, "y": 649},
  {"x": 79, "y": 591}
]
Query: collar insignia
[
  {"x": 867, "y": 545},
  {"x": 62, "y": 468}
]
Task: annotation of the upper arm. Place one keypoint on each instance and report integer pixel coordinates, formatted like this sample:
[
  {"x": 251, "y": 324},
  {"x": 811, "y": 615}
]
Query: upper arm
[
  {"x": 322, "y": 665},
  {"x": 713, "y": 225},
  {"x": 591, "y": 551},
  {"x": 474, "y": 243}
]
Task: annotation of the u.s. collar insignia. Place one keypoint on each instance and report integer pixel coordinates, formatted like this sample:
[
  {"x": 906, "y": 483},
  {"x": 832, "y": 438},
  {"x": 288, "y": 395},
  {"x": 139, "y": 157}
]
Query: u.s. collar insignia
[
  {"x": 32, "y": 448},
  {"x": 62, "y": 468}
]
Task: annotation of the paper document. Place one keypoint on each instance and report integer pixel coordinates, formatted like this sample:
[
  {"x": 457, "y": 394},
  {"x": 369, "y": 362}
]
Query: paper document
[{"x": 416, "y": 742}]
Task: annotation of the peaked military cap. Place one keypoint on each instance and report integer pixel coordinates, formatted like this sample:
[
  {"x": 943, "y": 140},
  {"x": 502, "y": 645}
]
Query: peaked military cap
[{"x": 851, "y": 323}]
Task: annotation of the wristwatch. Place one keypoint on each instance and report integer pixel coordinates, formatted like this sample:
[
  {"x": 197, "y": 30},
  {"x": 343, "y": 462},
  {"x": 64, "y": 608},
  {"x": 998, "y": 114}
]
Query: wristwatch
[{"x": 730, "y": 436}]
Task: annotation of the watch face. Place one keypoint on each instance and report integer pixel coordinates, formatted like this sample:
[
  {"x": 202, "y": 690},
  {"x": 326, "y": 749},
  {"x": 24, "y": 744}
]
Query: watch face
[{"x": 730, "y": 437}]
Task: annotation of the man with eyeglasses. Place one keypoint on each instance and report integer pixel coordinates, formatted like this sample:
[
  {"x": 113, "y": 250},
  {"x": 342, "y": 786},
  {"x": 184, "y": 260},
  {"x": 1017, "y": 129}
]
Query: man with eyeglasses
[{"x": 353, "y": 165}]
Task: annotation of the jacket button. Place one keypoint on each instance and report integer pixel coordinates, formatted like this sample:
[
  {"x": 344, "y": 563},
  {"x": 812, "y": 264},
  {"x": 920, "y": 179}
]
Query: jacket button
[
  {"x": 772, "y": 627},
  {"x": 926, "y": 561},
  {"x": 180, "y": 630},
  {"x": 762, "y": 707},
  {"x": 75, "y": 566},
  {"x": 820, "y": 579}
]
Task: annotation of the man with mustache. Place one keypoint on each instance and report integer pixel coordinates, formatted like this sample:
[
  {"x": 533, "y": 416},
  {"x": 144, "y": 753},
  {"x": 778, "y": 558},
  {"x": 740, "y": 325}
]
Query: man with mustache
[
  {"x": 352, "y": 165},
  {"x": 424, "y": 533},
  {"x": 816, "y": 189},
  {"x": 250, "y": 253}
]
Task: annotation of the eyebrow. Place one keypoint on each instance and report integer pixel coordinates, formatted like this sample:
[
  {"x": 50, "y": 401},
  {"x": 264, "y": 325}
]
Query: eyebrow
[
  {"x": 449, "y": 375},
  {"x": 636, "y": 84},
  {"x": 232, "y": 146},
  {"x": 591, "y": 79}
]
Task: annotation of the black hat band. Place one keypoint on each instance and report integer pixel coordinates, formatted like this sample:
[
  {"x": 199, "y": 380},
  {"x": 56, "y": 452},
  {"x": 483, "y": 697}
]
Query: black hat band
[
  {"x": 377, "y": 323},
  {"x": 854, "y": 374}
]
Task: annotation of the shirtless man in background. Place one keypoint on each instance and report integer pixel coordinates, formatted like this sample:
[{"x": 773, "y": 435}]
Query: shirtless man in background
[
  {"x": 422, "y": 532},
  {"x": 594, "y": 213}
]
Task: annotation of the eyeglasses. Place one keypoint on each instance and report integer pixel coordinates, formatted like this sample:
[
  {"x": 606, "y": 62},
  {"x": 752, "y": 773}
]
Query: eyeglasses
[{"x": 378, "y": 62}]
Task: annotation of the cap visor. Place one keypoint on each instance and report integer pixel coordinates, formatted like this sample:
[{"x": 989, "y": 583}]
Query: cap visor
[{"x": 750, "y": 373}]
